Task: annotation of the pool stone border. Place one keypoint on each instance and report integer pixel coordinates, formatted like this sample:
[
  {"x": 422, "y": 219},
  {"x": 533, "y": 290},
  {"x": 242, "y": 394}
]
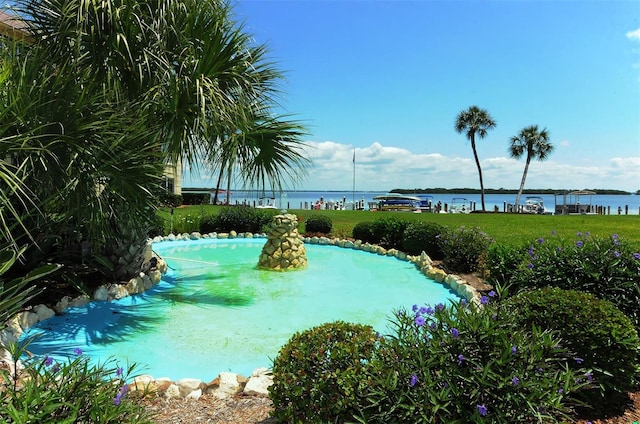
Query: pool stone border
[{"x": 227, "y": 384}]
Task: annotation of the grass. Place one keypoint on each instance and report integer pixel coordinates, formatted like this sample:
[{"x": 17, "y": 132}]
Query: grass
[{"x": 509, "y": 229}]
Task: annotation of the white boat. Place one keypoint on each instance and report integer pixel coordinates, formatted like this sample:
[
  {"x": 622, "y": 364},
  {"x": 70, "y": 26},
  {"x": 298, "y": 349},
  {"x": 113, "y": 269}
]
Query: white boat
[
  {"x": 266, "y": 203},
  {"x": 397, "y": 202},
  {"x": 460, "y": 205},
  {"x": 533, "y": 204}
]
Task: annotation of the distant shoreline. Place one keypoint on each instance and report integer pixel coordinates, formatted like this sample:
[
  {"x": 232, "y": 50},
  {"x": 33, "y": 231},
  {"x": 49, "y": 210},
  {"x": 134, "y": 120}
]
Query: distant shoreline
[
  {"x": 440, "y": 190},
  {"x": 508, "y": 191}
]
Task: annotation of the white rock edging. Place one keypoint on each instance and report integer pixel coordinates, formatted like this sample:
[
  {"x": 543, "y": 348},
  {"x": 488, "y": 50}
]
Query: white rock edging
[{"x": 226, "y": 384}]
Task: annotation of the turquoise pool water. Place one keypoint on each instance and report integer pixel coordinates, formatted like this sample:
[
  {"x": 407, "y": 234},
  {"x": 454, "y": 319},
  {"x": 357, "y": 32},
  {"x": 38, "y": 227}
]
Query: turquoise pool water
[{"x": 215, "y": 311}]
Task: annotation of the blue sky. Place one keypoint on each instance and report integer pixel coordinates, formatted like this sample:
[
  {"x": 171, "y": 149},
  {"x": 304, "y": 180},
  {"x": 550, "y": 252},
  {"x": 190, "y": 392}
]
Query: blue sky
[{"x": 388, "y": 79}]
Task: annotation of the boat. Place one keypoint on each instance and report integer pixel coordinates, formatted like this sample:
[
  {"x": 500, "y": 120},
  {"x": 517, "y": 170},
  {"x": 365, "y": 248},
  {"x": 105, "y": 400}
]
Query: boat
[
  {"x": 426, "y": 202},
  {"x": 397, "y": 202},
  {"x": 266, "y": 203},
  {"x": 460, "y": 205},
  {"x": 534, "y": 204},
  {"x": 575, "y": 203}
]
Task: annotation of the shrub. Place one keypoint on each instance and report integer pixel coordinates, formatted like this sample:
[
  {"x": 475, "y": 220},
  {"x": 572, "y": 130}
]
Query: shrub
[
  {"x": 74, "y": 391},
  {"x": 364, "y": 231},
  {"x": 421, "y": 237},
  {"x": 244, "y": 219},
  {"x": 316, "y": 372},
  {"x": 595, "y": 330},
  {"x": 170, "y": 200},
  {"x": 196, "y": 198},
  {"x": 502, "y": 262},
  {"x": 604, "y": 267},
  {"x": 465, "y": 364},
  {"x": 318, "y": 224},
  {"x": 463, "y": 247},
  {"x": 208, "y": 224},
  {"x": 389, "y": 231}
]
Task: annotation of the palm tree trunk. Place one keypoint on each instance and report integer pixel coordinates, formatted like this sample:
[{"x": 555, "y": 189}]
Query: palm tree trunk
[
  {"x": 524, "y": 177},
  {"x": 475, "y": 155},
  {"x": 215, "y": 196}
]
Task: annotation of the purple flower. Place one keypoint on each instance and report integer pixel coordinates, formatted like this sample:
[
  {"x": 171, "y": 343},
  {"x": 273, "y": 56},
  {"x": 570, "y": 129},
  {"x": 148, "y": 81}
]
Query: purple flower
[
  {"x": 77, "y": 351},
  {"x": 578, "y": 361},
  {"x": 422, "y": 310},
  {"x": 514, "y": 350},
  {"x": 121, "y": 393},
  {"x": 415, "y": 308},
  {"x": 454, "y": 332},
  {"x": 636, "y": 255},
  {"x": 539, "y": 370},
  {"x": 419, "y": 321},
  {"x": 589, "y": 376},
  {"x": 540, "y": 240},
  {"x": 48, "y": 360},
  {"x": 579, "y": 234},
  {"x": 55, "y": 368},
  {"x": 433, "y": 326},
  {"x": 414, "y": 380},
  {"x": 530, "y": 266},
  {"x": 119, "y": 371},
  {"x": 482, "y": 410},
  {"x": 531, "y": 251},
  {"x": 515, "y": 381},
  {"x": 560, "y": 390},
  {"x": 579, "y": 244},
  {"x": 616, "y": 254},
  {"x": 429, "y": 311},
  {"x": 439, "y": 306},
  {"x": 484, "y": 300},
  {"x": 553, "y": 232},
  {"x": 464, "y": 302},
  {"x": 614, "y": 236},
  {"x": 461, "y": 359},
  {"x": 492, "y": 293}
]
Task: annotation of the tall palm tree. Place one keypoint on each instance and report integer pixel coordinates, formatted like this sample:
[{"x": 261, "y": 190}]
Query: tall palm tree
[
  {"x": 475, "y": 121},
  {"x": 537, "y": 146}
]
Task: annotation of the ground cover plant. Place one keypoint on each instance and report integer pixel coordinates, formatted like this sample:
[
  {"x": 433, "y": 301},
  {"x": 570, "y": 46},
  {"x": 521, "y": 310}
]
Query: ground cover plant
[{"x": 74, "y": 391}]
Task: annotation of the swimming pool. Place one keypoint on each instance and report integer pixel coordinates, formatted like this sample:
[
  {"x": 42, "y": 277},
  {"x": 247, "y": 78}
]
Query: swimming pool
[{"x": 216, "y": 311}]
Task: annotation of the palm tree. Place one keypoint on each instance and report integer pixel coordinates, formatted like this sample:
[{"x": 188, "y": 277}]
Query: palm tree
[
  {"x": 537, "y": 146},
  {"x": 122, "y": 86},
  {"x": 475, "y": 121}
]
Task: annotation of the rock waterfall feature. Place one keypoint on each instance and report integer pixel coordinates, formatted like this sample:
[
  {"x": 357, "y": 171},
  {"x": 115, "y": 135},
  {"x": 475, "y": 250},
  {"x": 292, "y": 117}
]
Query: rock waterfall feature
[{"x": 284, "y": 249}]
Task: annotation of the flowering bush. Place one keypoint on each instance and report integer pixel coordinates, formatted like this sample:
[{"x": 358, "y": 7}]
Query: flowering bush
[
  {"x": 463, "y": 248},
  {"x": 595, "y": 330},
  {"x": 465, "y": 364},
  {"x": 316, "y": 372},
  {"x": 48, "y": 392},
  {"x": 606, "y": 267}
]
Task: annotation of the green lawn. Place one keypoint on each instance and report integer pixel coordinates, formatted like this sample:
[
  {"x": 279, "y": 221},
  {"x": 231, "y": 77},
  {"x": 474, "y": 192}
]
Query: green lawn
[{"x": 504, "y": 228}]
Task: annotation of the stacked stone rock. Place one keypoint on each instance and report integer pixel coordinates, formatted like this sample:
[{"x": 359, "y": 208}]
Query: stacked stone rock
[{"x": 284, "y": 249}]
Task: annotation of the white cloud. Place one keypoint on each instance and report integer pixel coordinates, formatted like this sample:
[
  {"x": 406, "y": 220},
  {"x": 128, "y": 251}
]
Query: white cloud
[
  {"x": 382, "y": 168},
  {"x": 634, "y": 35}
]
